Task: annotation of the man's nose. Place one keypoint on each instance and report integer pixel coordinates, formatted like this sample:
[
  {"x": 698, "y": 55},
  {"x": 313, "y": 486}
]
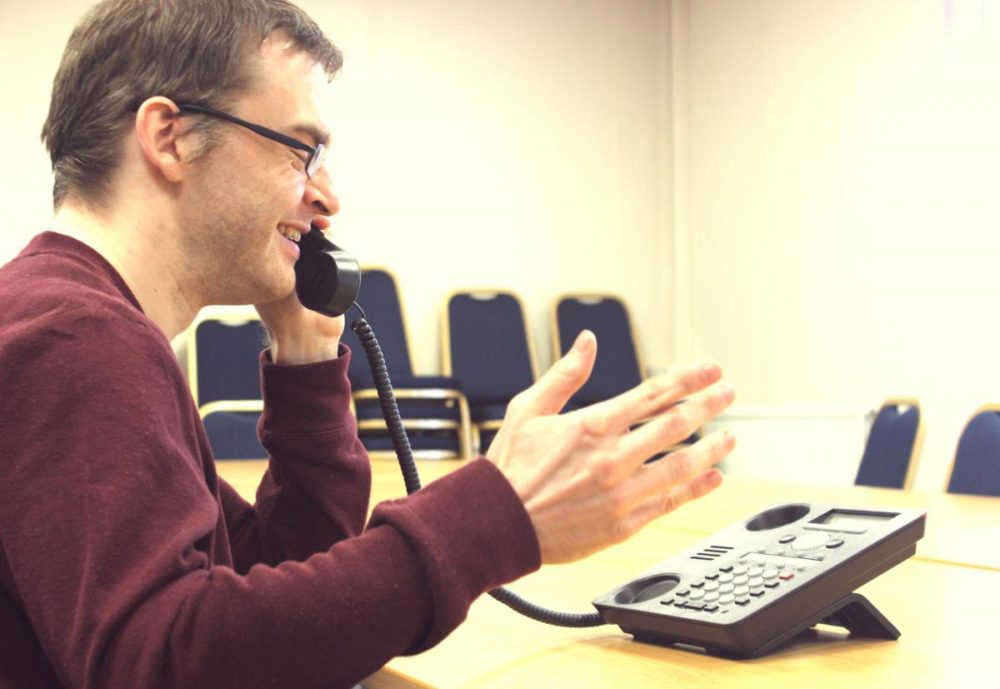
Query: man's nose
[{"x": 319, "y": 194}]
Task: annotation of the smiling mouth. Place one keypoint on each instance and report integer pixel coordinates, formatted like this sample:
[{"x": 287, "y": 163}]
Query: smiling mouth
[{"x": 289, "y": 233}]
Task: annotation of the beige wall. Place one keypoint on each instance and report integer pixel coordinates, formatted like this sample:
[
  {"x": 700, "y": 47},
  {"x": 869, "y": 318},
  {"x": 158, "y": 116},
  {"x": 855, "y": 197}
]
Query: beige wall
[{"x": 843, "y": 213}]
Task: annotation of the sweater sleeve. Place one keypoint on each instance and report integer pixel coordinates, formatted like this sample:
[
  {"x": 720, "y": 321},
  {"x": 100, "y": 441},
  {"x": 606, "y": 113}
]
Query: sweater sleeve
[
  {"x": 316, "y": 488},
  {"x": 112, "y": 533}
]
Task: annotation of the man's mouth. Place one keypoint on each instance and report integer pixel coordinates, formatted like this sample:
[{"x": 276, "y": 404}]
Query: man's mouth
[{"x": 290, "y": 233}]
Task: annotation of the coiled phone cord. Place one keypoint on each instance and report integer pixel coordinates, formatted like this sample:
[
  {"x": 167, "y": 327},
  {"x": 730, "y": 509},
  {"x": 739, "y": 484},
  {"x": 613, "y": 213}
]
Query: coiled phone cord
[{"x": 411, "y": 477}]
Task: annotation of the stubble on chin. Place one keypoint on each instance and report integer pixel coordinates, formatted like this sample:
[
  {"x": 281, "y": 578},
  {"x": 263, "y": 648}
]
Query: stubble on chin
[{"x": 237, "y": 273}]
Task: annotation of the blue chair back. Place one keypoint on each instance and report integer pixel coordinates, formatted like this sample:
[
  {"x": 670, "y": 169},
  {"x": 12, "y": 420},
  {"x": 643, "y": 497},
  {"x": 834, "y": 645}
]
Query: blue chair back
[
  {"x": 891, "y": 446},
  {"x": 379, "y": 297},
  {"x": 233, "y": 434},
  {"x": 226, "y": 355},
  {"x": 488, "y": 346},
  {"x": 977, "y": 460},
  {"x": 617, "y": 368},
  {"x": 427, "y": 404}
]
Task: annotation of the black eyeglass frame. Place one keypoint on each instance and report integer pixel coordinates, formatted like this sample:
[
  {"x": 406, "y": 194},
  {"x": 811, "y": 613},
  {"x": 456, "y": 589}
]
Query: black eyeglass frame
[{"x": 316, "y": 154}]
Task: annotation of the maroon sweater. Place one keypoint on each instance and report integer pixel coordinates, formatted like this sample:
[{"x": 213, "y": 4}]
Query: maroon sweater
[{"x": 126, "y": 563}]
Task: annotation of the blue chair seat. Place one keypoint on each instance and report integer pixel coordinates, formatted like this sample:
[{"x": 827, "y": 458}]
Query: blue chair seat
[
  {"x": 420, "y": 440},
  {"x": 487, "y": 412},
  {"x": 409, "y": 409},
  {"x": 368, "y": 407}
]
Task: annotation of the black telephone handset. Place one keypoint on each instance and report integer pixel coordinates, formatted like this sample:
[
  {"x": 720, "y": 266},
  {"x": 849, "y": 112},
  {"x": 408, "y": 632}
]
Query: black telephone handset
[{"x": 327, "y": 278}]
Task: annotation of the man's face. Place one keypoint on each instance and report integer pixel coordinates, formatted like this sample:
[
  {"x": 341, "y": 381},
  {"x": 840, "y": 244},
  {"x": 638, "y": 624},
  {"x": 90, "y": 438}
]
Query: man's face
[{"x": 249, "y": 192}]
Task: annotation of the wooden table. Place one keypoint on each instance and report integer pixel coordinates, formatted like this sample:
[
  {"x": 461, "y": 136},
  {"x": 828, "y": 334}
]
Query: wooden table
[
  {"x": 961, "y": 529},
  {"x": 945, "y": 602}
]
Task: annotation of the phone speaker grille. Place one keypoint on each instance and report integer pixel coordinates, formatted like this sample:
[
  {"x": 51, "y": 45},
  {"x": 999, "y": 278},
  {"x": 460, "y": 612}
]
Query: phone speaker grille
[{"x": 713, "y": 552}]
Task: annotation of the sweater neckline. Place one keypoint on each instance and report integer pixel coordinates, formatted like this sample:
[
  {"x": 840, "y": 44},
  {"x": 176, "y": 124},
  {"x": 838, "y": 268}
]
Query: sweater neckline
[{"x": 50, "y": 242}]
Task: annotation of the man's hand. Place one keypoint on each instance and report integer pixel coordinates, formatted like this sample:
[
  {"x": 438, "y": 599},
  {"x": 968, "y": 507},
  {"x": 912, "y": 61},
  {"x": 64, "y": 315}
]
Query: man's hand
[
  {"x": 582, "y": 476},
  {"x": 298, "y": 335}
]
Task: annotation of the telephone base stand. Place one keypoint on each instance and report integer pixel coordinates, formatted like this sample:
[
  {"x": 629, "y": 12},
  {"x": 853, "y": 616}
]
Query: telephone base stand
[{"x": 853, "y": 612}]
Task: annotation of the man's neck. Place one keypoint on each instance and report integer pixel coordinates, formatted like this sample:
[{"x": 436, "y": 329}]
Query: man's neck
[{"x": 145, "y": 265}]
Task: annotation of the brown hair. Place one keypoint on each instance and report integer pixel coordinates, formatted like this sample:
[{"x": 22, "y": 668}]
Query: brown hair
[{"x": 125, "y": 51}]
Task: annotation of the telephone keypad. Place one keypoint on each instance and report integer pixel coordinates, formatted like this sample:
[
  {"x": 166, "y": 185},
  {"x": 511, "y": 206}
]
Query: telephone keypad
[
  {"x": 752, "y": 576},
  {"x": 749, "y": 579},
  {"x": 710, "y": 596}
]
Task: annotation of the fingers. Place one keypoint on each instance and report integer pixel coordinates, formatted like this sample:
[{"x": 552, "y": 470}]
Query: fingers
[
  {"x": 677, "y": 423},
  {"x": 669, "y": 501},
  {"x": 651, "y": 397},
  {"x": 552, "y": 391},
  {"x": 658, "y": 481},
  {"x": 297, "y": 335},
  {"x": 681, "y": 465}
]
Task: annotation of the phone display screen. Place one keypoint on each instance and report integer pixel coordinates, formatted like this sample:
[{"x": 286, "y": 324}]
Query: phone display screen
[{"x": 852, "y": 520}]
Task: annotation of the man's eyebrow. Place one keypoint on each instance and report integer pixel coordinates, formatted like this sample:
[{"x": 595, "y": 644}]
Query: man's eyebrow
[{"x": 319, "y": 136}]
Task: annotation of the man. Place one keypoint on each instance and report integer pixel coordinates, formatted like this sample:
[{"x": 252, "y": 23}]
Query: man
[{"x": 124, "y": 560}]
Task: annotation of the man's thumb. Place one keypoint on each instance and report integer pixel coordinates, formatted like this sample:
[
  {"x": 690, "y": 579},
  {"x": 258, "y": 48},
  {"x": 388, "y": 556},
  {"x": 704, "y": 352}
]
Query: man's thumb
[{"x": 553, "y": 390}]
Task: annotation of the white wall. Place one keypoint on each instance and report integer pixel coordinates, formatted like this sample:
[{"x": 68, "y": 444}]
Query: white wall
[
  {"x": 843, "y": 214},
  {"x": 515, "y": 144}
]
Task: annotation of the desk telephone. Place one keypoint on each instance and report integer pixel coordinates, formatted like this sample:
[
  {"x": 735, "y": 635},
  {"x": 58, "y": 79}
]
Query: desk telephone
[
  {"x": 754, "y": 585},
  {"x": 741, "y": 593}
]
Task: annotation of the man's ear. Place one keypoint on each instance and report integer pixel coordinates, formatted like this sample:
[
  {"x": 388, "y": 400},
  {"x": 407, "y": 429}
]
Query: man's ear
[{"x": 159, "y": 129}]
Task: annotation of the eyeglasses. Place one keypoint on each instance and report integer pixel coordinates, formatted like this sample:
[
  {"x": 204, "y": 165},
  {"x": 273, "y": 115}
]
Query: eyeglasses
[{"x": 314, "y": 159}]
